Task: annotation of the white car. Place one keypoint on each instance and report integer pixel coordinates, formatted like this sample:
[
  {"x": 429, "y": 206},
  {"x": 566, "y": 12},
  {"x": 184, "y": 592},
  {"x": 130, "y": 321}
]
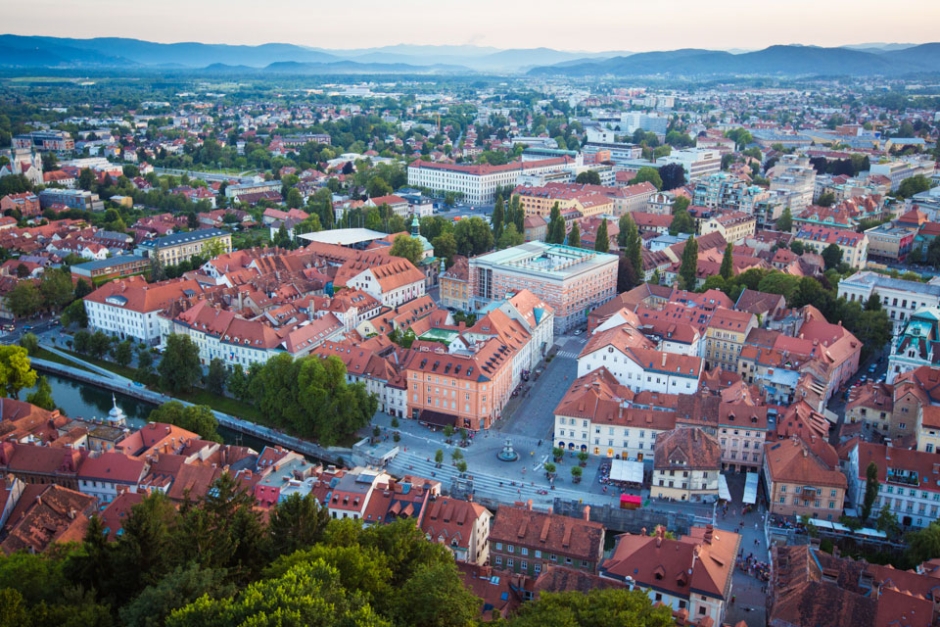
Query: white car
[{"x": 578, "y": 331}]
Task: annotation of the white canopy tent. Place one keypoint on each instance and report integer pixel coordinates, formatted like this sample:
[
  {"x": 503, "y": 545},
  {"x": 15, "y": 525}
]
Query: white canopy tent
[
  {"x": 627, "y": 471},
  {"x": 723, "y": 492},
  {"x": 750, "y": 489}
]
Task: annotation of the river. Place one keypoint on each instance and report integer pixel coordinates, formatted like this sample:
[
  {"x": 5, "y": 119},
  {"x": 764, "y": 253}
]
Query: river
[{"x": 82, "y": 400}]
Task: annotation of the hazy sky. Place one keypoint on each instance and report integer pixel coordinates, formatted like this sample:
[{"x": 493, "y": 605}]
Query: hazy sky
[{"x": 635, "y": 25}]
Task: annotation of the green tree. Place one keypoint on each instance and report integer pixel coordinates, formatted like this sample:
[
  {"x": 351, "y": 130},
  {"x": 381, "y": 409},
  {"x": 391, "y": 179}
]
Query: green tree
[
  {"x": 196, "y": 418},
  {"x": 42, "y": 397},
  {"x": 445, "y": 246},
  {"x": 295, "y": 199},
  {"x": 435, "y": 596},
  {"x": 24, "y": 300},
  {"x": 144, "y": 366},
  {"x": 785, "y": 221},
  {"x": 556, "y": 231},
  {"x": 832, "y": 256},
  {"x": 216, "y": 377},
  {"x": 510, "y": 237},
  {"x": 123, "y": 353},
  {"x": 727, "y": 263},
  {"x": 56, "y": 288},
  {"x": 473, "y": 237},
  {"x": 574, "y": 237},
  {"x": 826, "y": 199},
  {"x": 438, "y": 456},
  {"x": 378, "y": 187},
  {"x": 650, "y": 174},
  {"x": 631, "y": 244},
  {"x": 13, "y": 609},
  {"x": 86, "y": 179},
  {"x": 99, "y": 344},
  {"x": 688, "y": 268},
  {"x": 180, "y": 367},
  {"x": 682, "y": 222},
  {"x": 576, "y": 473},
  {"x": 873, "y": 303},
  {"x": 871, "y": 490},
  {"x": 887, "y": 522},
  {"x": 924, "y": 544},
  {"x": 309, "y": 593},
  {"x": 672, "y": 175},
  {"x": 407, "y": 247},
  {"x": 297, "y": 522},
  {"x": 146, "y": 551},
  {"x": 30, "y": 342},
  {"x": 598, "y": 608},
  {"x": 602, "y": 241},
  {"x": 588, "y": 177},
  {"x": 184, "y": 585},
  {"x": 913, "y": 185},
  {"x": 16, "y": 372},
  {"x": 81, "y": 342},
  {"x": 497, "y": 219},
  {"x": 780, "y": 283},
  {"x": 742, "y": 137}
]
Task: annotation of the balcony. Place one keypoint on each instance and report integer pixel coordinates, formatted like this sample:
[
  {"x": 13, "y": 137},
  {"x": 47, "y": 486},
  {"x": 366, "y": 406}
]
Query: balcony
[{"x": 903, "y": 477}]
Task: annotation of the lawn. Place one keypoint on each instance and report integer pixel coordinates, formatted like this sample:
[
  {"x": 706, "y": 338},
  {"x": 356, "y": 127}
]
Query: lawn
[
  {"x": 124, "y": 371},
  {"x": 224, "y": 404},
  {"x": 58, "y": 359}
]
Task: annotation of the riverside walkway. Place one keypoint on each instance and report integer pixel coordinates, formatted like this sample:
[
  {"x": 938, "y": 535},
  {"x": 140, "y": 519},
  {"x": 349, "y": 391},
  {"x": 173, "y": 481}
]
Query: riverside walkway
[{"x": 102, "y": 377}]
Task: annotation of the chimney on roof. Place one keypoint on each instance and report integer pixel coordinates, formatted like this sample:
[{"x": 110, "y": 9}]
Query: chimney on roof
[
  {"x": 528, "y": 505},
  {"x": 587, "y": 513},
  {"x": 707, "y": 538}
]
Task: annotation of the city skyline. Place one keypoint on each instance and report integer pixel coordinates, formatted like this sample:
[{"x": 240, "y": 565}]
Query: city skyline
[{"x": 422, "y": 22}]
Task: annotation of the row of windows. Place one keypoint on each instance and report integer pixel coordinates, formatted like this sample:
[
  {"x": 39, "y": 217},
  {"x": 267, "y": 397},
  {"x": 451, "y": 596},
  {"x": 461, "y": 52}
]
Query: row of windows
[{"x": 816, "y": 503}]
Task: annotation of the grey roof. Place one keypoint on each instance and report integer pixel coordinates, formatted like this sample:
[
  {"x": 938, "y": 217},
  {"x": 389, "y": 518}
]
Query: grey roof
[
  {"x": 107, "y": 263},
  {"x": 879, "y": 280},
  {"x": 191, "y": 236}
]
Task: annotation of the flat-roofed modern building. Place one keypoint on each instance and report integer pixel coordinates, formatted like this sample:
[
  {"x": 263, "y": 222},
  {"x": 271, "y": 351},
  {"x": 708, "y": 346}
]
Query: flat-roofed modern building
[
  {"x": 111, "y": 268},
  {"x": 478, "y": 183},
  {"x": 573, "y": 281},
  {"x": 179, "y": 247}
]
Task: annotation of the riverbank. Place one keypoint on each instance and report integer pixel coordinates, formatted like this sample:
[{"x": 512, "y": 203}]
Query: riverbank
[{"x": 102, "y": 378}]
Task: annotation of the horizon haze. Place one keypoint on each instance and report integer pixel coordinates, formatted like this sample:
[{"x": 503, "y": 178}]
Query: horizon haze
[{"x": 631, "y": 25}]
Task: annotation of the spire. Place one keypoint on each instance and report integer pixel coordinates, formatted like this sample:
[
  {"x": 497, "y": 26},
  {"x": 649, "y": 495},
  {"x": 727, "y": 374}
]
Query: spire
[{"x": 415, "y": 226}]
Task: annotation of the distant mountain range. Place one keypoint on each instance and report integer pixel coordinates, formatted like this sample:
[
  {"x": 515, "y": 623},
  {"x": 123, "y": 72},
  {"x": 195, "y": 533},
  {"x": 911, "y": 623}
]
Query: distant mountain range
[
  {"x": 772, "y": 61},
  {"x": 31, "y": 53}
]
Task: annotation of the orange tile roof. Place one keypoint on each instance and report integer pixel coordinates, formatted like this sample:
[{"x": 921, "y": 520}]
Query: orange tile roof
[{"x": 665, "y": 564}]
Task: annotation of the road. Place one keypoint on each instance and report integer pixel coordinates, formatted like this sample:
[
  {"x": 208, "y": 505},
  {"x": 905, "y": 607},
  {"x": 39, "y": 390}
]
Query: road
[
  {"x": 206, "y": 176},
  {"x": 838, "y": 402},
  {"x": 533, "y": 414}
]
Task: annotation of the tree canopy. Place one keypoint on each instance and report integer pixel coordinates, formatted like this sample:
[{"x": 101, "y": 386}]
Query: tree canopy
[
  {"x": 196, "y": 418},
  {"x": 407, "y": 247},
  {"x": 180, "y": 367},
  {"x": 648, "y": 174}
]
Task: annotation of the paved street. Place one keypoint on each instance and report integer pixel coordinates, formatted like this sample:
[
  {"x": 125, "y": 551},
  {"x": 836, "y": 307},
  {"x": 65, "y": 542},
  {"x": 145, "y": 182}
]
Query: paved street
[{"x": 533, "y": 413}]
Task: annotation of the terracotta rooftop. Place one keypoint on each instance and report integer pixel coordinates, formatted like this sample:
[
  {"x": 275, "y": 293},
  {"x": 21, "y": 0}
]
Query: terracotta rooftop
[
  {"x": 46, "y": 514},
  {"x": 700, "y": 563},
  {"x": 687, "y": 448},
  {"x": 549, "y": 533}
]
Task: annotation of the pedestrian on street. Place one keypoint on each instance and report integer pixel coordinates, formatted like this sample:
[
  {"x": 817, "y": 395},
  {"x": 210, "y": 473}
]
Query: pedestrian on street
[{"x": 733, "y": 597}]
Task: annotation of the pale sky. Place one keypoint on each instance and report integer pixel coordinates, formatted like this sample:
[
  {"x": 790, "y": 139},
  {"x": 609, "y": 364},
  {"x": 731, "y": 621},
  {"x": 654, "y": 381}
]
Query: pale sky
[{"x": 591, "y": 25}]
